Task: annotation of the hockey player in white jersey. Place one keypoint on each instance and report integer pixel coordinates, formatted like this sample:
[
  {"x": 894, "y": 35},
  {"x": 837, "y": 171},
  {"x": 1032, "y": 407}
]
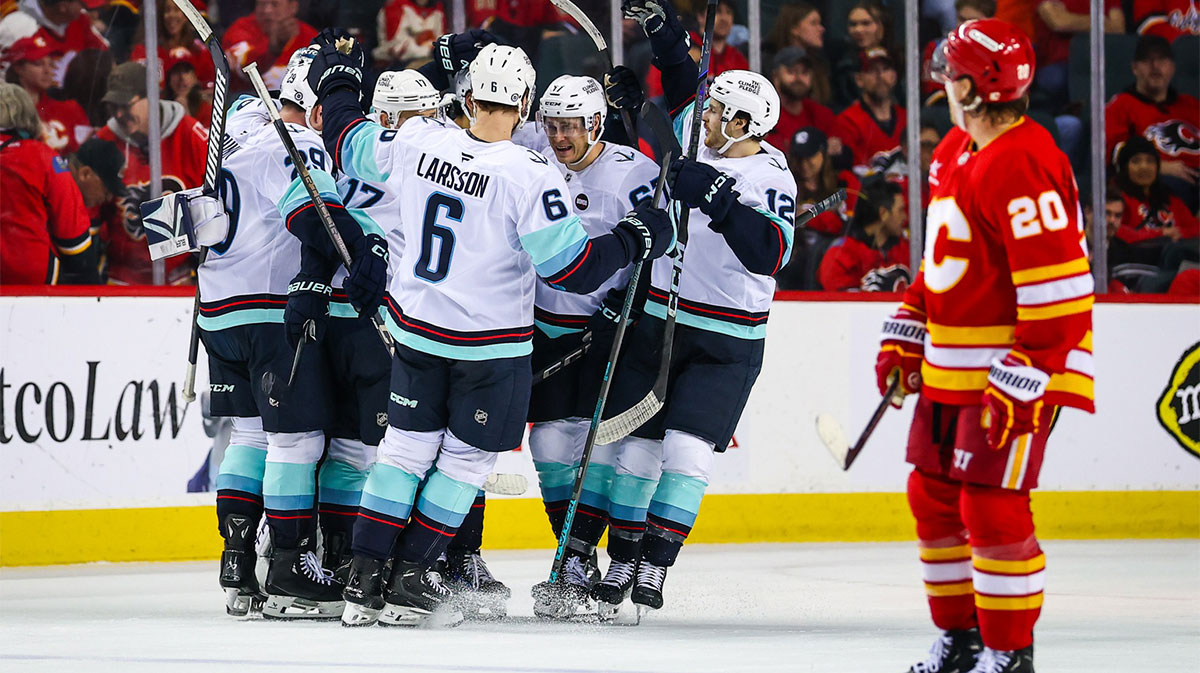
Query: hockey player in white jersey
[
  {"x": 258, "y": 287},
  {"x": 742, "y": 200},
  {"x": 482, "y": 218},
  {"x": 605, "y": 181}
]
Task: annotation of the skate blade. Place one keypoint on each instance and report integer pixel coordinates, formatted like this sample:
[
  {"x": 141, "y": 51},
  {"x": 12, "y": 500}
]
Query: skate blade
[
  {"x": 557, "y": 609},
  {"x": 290, "y": 607},
  {"x": 447, "y": 617},
  {"x": 359, "y": 615},
  {"x": 238, "y": 604}
]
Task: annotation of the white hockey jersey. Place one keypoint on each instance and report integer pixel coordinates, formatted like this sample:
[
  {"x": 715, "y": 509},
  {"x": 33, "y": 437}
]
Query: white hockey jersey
[
  {"x": 619, "y": 180},
  {"x": 480, "y": 221},
  {"x": 716, "y": 291},
  {"x": 244, "y": 279}
]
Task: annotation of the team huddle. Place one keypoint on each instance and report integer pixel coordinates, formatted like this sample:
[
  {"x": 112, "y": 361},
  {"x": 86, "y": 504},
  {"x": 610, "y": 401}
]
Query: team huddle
[{"x": 491, "y": 248}]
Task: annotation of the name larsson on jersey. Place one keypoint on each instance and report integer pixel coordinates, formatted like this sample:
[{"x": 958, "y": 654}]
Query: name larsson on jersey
[{"x": 452, "y": 177}]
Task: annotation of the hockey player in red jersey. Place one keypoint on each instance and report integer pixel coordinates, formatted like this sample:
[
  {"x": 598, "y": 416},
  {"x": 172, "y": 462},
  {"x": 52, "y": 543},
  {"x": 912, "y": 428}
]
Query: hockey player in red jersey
[{"x": 995, "y": 335}]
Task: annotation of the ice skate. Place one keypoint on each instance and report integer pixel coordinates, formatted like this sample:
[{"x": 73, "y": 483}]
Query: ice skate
[
  {"x": 647, "y": 589},
  {"x": 242, "y": 593},
  {"x": 566, "y": 597},
  {"x": 474, "y": 586},
  {"x": 952, "y": 652},
  {"x": 363, "y": 592},
  {"x": 612, "y": 591},
  {"x": 1004, "y": 661},
  {"x": 417, "y": 596},
  {"x": 299, "y": 588},
  {"x": 336, "y": 555}
]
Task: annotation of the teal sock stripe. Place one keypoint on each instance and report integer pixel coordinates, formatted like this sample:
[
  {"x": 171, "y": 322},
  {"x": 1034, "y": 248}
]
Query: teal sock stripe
[
  {"x": 340, "y": 483},
  {"x": 242, "y": 469},
  {"x": 629, "y": 496},
  {"x": 389, "y": 490},
  {"x": 289, "y": 486},
  {"x": 678, "y": 498},
  {"x": 595, "y": 486},
  {"x": 556, "y": 480},
  {"x": 446, "y": 500}
]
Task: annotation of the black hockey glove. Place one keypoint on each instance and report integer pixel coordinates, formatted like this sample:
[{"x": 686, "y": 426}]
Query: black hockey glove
[
  {"x": 367, "y": 280},
  {"x": 455, "y": 51},
  {"x": 308, "y": 299},
  {"x": 647, "y": 233},
  {"x": 701, "y": 186},
  {"x": 331, "y": 69},
  {"x": 623, "y": 90},
  {"x": 661, "y": 24},
  {"x": 330, "y": 36}
]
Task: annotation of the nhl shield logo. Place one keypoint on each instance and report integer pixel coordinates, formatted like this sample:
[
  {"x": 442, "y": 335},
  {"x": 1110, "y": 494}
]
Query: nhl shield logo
[
  {"x": 581, "y": 202},
  {"x": 381, "y": 419},
  {"x": 1179, "y": 406},
  {"x": 481, "y": 416}
]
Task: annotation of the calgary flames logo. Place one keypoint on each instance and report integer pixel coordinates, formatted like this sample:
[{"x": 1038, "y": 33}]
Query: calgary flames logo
[
  {"x": 1174, "y": 137},
  {"x": 1179, "y": 405},
  {"x": 131, "y": 204}
]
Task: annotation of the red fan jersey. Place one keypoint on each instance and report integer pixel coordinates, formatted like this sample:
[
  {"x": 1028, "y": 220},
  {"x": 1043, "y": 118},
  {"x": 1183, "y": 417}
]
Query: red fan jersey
[
  {"x": 1143, "y": 221},
  {"x": 1168, "y": 18},
  {"x": 1005, "y": 270},
  {"x": 66, "y": 124},
  {"x": 246, "y": 43},
  {"x": 811, "y": 113},
  {"x": 184, "y": 149},
  {"x": 848, "y": 260},
  {"x": 41, "y": 215},
  {"x": 1172, "y": 125},
  {"x": 80, "y": 34},
  {"x": 874, "y": 147}
]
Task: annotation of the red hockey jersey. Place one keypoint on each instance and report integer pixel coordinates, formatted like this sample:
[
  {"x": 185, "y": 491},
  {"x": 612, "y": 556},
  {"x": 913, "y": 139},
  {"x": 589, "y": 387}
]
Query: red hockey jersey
[
  {"x": 873, "y": 147},
  {"x": 1173, "y": 125},
  {"x": 246, "y": 43},
  {"x": 184, "y": 149},
  {"x": 1168, "y": 18},
  {"x": 66, "y": 124},
  {"x": 848, "y": 260},
  {"x": 1005, "y": 269},
  {"x": 41, "y": 215},
  {"x": 195, "y": 54}
]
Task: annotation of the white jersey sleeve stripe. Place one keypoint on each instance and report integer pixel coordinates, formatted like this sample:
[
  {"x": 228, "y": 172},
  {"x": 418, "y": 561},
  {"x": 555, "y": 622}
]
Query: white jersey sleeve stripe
[
  {"x": 297, "y": 196},
  {"x": 553, "y": 248}
]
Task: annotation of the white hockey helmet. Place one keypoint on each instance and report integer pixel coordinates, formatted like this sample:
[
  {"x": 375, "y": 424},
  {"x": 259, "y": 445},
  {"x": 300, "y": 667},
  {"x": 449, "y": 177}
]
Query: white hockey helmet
[
  {"x": 749, "y": 92},
  {"x": 570, "y": 97},
  {"x": 503, "y": 75},
  {"x": 399, "y": 91},
  {"x": 295, "y": 86}
]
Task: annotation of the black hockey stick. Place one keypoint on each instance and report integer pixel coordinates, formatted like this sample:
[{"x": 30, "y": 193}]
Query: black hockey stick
[
  {"x": 260, "y": 88},
  {"x": 212, "y": 167},
  {"x": 614, "y": 352},
  {"x": 585, "y": 22},
  {"x": 308, "y": 334},
  {"x": 834, "y": 438}
]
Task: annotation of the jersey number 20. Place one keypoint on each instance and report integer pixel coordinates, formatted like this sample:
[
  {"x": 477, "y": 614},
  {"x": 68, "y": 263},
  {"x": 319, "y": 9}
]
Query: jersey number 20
[{"x": 431, "y": 268}]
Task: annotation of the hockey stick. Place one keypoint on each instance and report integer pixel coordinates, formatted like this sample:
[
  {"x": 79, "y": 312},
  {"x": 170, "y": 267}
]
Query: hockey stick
[
  {"x": 260, "y": 87},
  {"x": 212, "y": 167},
  {"x": 614, "y": 352},
  {"x": 633, "y": 418},
  {"x": 834, "y": 438},
  {"x": 602, "y": 46}
]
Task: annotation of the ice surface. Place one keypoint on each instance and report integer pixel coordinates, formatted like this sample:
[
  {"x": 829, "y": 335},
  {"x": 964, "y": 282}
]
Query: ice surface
[{"x": 1127, "y": 606}]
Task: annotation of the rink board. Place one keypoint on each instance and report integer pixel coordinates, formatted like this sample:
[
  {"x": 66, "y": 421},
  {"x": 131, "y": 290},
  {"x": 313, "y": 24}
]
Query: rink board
[{"x": 97, "y": 446}]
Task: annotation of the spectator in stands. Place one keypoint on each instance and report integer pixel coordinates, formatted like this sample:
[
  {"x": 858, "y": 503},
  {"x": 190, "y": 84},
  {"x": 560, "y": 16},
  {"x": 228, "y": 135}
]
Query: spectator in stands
[
  {"x": 793, "y": 74},
  {"x": 268, "y": 37},
  {"x": 184, "y": 148},
  {"x": 964, "y": 10},
  {"x": 184, "y": 87},
  {"x": 929, "y": 139},
  {"x": 874, "y": 255},
  {"x": 524, "y": 24},
  {"x": 44, "y": 236},
  {"x": 1153, "y": 216},
  {"x": 872, "y": 129},
  {"x": 1020, "y": 13},
  {"x": 407, "y": 29},
  {"x": 85, "y": 82},
  {"x": 816, "y": 179},
  {"x": 177, "y": 43},
  {"x": 798, "y": 24},
  {"x": 97, "y": 167},
  {"x": 64, "y": 123},
  {"x": 66, "y": 28},
  {"x": 867, "y": 27},
  {"x": 1057, "y": 21},
  {"x": 1154, "y": 110},
  {"x": 1169, "y": 19},
  {"x": 724, "y": 55}
]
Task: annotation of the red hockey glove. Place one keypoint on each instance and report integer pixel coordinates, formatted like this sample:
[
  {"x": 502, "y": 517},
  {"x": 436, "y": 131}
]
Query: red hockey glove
[
  {"x": 901, "y": 351},
  {"x": 1012, "y": 400}
]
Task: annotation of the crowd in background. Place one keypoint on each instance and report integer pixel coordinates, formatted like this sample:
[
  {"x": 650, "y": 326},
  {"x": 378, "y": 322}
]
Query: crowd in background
[{"x": 838, "y": 68}]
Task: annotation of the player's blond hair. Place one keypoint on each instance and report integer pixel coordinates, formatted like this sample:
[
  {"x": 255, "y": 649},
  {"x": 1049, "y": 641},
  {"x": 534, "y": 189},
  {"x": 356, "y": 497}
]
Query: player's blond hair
[{"x": 17, "y": 111}]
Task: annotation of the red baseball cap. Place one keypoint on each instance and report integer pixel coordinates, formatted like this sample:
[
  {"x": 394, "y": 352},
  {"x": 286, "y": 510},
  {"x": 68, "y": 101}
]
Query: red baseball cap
[
  {"x": 32, "y": 48},
  {"x": 868, "y": 57}
]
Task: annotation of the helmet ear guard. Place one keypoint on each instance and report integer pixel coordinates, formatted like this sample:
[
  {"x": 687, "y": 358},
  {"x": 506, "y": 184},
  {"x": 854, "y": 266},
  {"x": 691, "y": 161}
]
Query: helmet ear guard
[{"x": 748, "y": 92}]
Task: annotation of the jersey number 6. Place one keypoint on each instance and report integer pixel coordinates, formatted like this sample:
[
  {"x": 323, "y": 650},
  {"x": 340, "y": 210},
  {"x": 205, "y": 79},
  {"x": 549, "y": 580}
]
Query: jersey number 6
[{"x": 431, "y": 268}]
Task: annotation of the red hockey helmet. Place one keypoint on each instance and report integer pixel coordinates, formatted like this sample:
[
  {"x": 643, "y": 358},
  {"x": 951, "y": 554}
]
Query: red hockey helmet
[{"x": 995, "y": 54}]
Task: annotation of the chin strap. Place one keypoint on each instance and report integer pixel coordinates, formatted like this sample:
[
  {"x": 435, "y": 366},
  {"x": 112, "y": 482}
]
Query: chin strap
[
  {"x": 730, "y": 141},
  {"x": 588, "y": 151}
]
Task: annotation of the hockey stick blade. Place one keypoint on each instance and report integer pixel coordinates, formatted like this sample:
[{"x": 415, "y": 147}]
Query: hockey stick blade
[
  {"x": 834, "y": 438},
  {"x": 624, "y": 423},
  {"x": 203, "y": 30},
  {"x": 583, "y": 20},
  {"x": 506, "y": 484}
]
